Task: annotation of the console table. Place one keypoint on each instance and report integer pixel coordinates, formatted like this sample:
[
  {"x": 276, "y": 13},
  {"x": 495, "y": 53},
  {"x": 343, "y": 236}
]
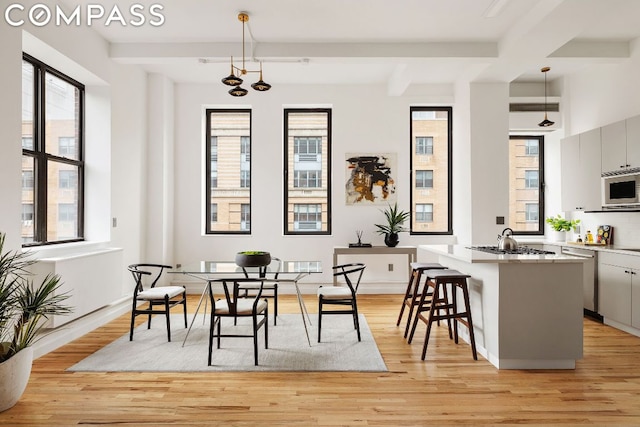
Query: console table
[{"x": 410, "y": 251}]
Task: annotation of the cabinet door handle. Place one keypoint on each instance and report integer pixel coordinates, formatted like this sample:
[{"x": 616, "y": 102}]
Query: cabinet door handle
[{"x": 627, "y": 272}]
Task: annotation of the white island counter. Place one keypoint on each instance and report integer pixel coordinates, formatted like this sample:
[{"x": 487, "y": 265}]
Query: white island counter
[{"x": 527, "y": 309}]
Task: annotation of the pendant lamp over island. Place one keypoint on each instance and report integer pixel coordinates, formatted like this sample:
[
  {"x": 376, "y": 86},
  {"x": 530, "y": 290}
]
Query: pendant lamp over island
[{"x": 546, "y": 122}]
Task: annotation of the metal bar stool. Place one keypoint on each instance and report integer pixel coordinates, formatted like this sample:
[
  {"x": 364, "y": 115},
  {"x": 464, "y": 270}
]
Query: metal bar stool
[
  {"x": 413, "y": 293},
  {"x": 439, "y": 279}
]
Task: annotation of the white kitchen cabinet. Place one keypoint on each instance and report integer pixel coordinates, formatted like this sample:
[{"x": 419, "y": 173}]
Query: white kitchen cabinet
[
  {"x": 621, "y": 145},
  {"x": 614, "y": 146},
  {"x": 619, "y": 288},
  {"x": 633, "y": 142},
  {"x": 580, "y": 160}
]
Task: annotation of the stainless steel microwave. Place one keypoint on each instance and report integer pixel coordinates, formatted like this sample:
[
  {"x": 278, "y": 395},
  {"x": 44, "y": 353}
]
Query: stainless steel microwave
[{"x": 621, "y": 191}]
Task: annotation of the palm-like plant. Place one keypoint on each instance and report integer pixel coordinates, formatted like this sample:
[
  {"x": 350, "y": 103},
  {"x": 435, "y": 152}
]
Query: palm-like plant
[
  {"x": 395, "y": 220},
  {"x": 24, "y": 306}
]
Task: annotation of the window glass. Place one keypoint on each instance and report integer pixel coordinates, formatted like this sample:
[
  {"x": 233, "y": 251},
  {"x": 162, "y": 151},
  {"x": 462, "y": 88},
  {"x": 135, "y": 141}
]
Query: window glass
[
  {"x": 52, "y": 163},
  {"x": 214, "y": 212},
  {"x": 228, "y": 183},
  {"x": 424, "y": 179},
  {"x": 424, "y": 212},
  {"x": 307, "y": 216},
  {"x": 526, "y": 197},
  {"x": 28, "y": 105},
  {"x": 307, "y": 171},
  {"x": 424, "y": 145},
  {"x": 62, "y": 196},
  {"x": 431, "y": 144}
]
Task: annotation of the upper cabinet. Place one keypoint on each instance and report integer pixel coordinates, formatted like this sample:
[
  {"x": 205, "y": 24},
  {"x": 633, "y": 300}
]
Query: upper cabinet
[
  {"x": 633, "y": 142},
  {"x": 580, "y": 159},
  {"x": 621, "y": 146}
]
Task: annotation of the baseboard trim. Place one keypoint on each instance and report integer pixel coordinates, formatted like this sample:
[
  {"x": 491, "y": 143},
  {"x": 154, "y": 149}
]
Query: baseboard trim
[{"x": 55, "y": 338}]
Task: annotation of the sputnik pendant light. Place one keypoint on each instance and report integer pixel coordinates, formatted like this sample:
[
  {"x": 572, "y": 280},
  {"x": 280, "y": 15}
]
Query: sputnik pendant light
[
  {"x": 234, "y": 79},
  {"x": 546, "y": 122}
]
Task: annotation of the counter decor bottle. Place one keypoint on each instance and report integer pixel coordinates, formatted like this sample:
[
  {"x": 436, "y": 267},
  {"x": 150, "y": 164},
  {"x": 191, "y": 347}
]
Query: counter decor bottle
[{"x": 589, "y": 238}]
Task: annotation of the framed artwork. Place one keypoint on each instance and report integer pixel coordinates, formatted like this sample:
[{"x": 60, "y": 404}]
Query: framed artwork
[{"x": 370, "y": 179}]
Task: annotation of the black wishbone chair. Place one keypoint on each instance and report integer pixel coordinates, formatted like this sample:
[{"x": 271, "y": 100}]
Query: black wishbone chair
[
  {"x": 234, "y": 306},
  {"x": 341, "y": 295},
  {"x": 269, "y": 289},
  {"x": 160, "y": 299}
]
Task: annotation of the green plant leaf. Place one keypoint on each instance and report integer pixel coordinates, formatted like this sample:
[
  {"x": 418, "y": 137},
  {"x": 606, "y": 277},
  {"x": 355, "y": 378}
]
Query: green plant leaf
[
  {"x": 24, "y": 305},
  {"x": 395, "y": 220}
]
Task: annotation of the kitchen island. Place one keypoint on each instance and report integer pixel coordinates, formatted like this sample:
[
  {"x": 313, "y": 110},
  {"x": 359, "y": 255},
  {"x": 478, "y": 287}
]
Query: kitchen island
[{"x": 527, "y": 309}]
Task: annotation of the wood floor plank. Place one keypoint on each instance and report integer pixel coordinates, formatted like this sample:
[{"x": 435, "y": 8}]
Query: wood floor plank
[{"x": 449, "y": 388}]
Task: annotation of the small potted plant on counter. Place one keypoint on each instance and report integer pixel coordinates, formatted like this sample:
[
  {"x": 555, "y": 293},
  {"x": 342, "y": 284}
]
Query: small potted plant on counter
[{"x": 561, "y": 225}]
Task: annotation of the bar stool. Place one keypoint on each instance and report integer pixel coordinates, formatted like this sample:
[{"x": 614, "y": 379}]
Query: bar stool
[
  {"x": 413, "y": 293},
  {"x": 439, "y": 279}
]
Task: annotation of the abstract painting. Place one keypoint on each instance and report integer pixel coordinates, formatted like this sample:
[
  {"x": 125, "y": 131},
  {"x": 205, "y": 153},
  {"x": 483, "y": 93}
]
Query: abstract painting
[{"x": 370, "y": 179}]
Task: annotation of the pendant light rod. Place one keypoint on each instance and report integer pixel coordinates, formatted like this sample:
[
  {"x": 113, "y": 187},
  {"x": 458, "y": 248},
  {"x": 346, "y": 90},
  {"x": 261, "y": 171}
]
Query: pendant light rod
[{"x": 546, "y": 122}]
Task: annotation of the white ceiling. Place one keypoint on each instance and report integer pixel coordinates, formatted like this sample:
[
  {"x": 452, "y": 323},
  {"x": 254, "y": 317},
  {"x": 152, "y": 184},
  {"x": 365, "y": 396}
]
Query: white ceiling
[{"x": 378, "y": 41}]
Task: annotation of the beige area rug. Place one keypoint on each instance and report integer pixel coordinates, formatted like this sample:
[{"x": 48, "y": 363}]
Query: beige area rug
[{"x": 288, "y": 348}]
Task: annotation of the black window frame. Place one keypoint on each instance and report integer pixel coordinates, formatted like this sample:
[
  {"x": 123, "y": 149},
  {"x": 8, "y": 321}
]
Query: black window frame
[
  {"x": 286, "y": 171},
  {"x": 541, "y": 184},
  {"x": 41, "y": 158},
  {"x": 207, "y": 155},
  {"x": 412, "y": 153}
]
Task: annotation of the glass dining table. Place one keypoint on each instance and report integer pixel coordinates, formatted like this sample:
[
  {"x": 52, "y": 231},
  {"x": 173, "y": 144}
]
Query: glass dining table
[{"x": 287, "y": 272}]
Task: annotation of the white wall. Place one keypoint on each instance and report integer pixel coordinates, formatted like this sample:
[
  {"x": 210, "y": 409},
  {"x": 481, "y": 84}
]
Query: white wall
[
  {"x": 115, "y": 98},
  {"x": 10, "y": 131},
  {"x": 128, "y": 163},
  {"x": 489, "y": 128},
  {"x": 365, "y": 120}
]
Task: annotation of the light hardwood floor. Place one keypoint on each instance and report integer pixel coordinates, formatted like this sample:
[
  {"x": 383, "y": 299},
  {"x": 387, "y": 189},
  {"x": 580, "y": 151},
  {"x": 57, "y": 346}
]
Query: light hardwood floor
[{"x": 449, "y": 388}]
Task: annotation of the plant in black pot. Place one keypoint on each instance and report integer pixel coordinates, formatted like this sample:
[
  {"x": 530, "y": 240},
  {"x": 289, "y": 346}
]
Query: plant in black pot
[{"x": 395, "y": 221}]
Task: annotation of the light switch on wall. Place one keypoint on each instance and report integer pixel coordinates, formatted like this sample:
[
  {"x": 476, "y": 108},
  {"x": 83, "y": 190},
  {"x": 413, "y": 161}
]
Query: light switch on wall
[{"x": 499, "y": 220}]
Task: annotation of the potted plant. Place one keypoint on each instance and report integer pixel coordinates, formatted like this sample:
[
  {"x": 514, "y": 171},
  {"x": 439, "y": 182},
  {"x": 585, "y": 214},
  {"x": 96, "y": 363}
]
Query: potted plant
[
  {"x": 395, "y": 220},
  {"x": 561, "y": 225},
  {"x": 23, "y": 307}
]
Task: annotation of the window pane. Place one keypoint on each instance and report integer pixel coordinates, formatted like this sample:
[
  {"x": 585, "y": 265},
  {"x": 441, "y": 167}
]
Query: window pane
[
  {"x": 27, "y": 105},
  {"x": 61, "y": 117},
  {"x": 431, "y": 165},
  {"x": 67, "y": 147},
  {"x": 28, "y": 194},
  {"x": 424, "y": 145},
  {"x": 525, "y": 197},
  {"x": 531, "y": 212},
  {"x": 424, "y": 212},
  {"x": 229, "y": 181},
  {"x": 214, "y": 212},
  {"x": 307, "y": 217},
  {"x": 307, "y": 190},
  {"x": 62, "y": 201},
  {"x": 424, "y": 179},
  {"x": 245, "y": 217}
]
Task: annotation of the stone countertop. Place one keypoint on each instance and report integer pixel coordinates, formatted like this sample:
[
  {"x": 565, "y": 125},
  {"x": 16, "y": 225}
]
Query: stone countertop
[
  {"x": 463, "y": 253},
  {"x": 626, "y": 250}
]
